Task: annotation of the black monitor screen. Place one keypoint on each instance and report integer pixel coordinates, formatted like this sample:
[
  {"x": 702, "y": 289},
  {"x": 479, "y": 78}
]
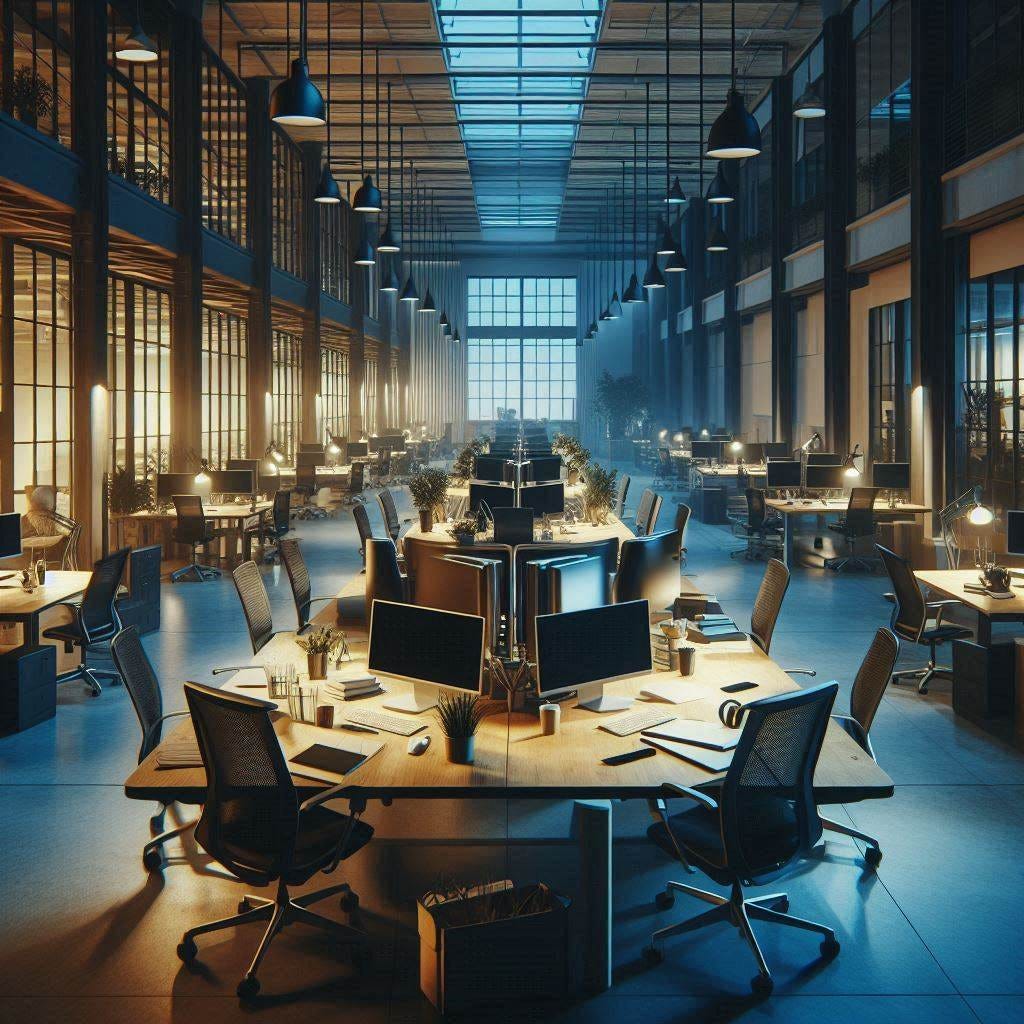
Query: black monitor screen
[
  {"x": 496, "y": 496},
  {"x": 576, "y": 648},
  {"x": 357, "y": 449},
  {"x": 170, "y": 484},
  {"x": 544, "y": 499},
  {"x": 513, "y": 525},
  {"x": 578, "y": 585},
  {"x": 10, "y": 535},
  {"x": 783, "y": 473},
  {"x": 232, "y": 481},
  {"x": 310, "y": 460},
  {"x": 487, "y": 467},
  {"x": 821, "y": 478},
  {"x": 776, "y": 449},
  {"x": 893, "y": 476},
  {"x": 706, "y": 450},
  {"x": 824, "y": 459},
  {"x": 253, "y": 465},
  {"x": 545, "y": 468},
  {"x": 426, "y": 645},
  {"x": 1015, "y": 532}
]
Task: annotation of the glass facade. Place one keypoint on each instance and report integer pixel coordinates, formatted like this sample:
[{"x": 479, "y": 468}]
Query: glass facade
[
  {"x": 286, "y": 393},
  {"x": 755, "y": 187},
  {"x": 334, "y": 391},
  {"x": 225, "y": 389},
  {"x": 223, "y": 158},
  {"x": 889, "y": 382},
  {"x": 807, "y": 213}
]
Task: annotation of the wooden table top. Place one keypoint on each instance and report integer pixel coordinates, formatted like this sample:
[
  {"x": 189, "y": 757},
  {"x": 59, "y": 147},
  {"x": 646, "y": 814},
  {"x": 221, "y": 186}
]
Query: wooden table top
[
  {"x": 60, "y": 586},
  {"x": 755, "y": 469},
  {"x": 817, "y": 506},
  {"x": 513, "y": 759},
  {"x": 951, "y": 582},
  {"x": 229, "y": 510}
]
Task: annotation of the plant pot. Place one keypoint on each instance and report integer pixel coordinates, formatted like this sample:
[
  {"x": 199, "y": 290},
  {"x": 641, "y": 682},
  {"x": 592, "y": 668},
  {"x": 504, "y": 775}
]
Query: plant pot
[
  {"x": 598, "y": 516},
  {"x": 426, "y": 520},
  {"x": 317, "y": 665},
  {"x": 574, "y": 477},
  {"x": 464, "y": 540},
  {"x": 460, "y": 749}
]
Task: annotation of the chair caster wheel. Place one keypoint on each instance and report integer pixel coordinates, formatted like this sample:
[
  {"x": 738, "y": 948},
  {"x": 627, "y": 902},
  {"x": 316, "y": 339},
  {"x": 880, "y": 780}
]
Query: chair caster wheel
[
  {"x": 761, "y": 985},
  {"x": 248, "y": 987},
  {"x": 829, "y": 949},
  {"x": 91, "y": 692},
  {"x": 187, "y": 951},
  {"x": 153, "y": 860},
  {"x": 664, "y": 900},
  {"x": 349, "y": 903},
  {"x": 873, "y": 855},
  {"x": 653, "y": 955}
]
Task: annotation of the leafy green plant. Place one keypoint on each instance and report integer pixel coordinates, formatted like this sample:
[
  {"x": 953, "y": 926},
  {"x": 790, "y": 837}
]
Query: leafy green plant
[
  {"x": 429, "y": 488},
  {"x": 466, "y": 525},
  {"x": 598, "y": 492},
  {"x": 622, "y": 402},
  {"x": 462, "y": 468},
  {"x": 126, "y": 493},
  {"x": 459, "y": 714},
  {"x": 325, "y": 640},
  {"x": 31, "y": 96},
  {"x": 575, "y": 455}
]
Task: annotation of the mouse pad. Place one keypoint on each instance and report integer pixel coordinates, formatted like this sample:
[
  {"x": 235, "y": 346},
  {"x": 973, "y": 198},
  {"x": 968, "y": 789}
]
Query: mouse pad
[{"x": 328, "y": 759}]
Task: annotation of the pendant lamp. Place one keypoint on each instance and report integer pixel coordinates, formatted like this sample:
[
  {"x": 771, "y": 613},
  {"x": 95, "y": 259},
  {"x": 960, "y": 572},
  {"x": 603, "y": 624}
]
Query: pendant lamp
[
  {"x": 675, "y": 264},
  {"x": 367, "y": 198},
  {"x": 387, "y": 241},
  {"x": 365, "y": 256},
  {"x": 809, "y": 106},
  {"x": 653, "y": 278},
  {"x": 137, "y": 47},
  {"x": 667, "y": 244},
  {"x": 718, "y": 240},
  {"x": 720, "y": 191},
  {"x": 296, "y": 100},
  {"x": 390, "y": 282},
  {"x": 676, "y": 195},
  {"x": 327, "y": 190},
  {"x": 736, "y": 133}
]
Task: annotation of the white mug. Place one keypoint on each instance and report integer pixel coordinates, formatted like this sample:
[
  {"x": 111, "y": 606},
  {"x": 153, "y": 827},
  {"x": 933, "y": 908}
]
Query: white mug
[{"x": 550, "y": 716}]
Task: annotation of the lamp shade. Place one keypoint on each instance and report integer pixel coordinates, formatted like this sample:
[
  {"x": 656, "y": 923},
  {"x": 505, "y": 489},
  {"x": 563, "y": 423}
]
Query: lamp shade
[
  {"x": 675, "y": 264},
  {"x": 615, "y": 307},
  {"x": 666, "y": 244},
  {"x": 409, "y": 293},
  {"x": 297, "y": 100},
  {"x": 445, "y": 323},
  {"x": 809, "y": 106},
  {"x": 736, "y": 133},
  {"x": 390, "y": 282},
  {"x": 137, "y": 47},
  {"x": 604, "y": 314},
  {"x": 676, "y": 195},
  {"x": 365, "y": 256},
  {"x": 718, "y": 240},
  {"x": 592, "y": 330},
  {"x": 428, "y": 305},
  {"x": 387, "y": 242},
  {"x": 720, "y": 191},
  {"x": 632, "y": 293},
  {"x": 455, "y": 337},
  {"x": 653, "y": 277},
  {"x": 327, "y": 190},
  {"x": 367, "y": 198}
]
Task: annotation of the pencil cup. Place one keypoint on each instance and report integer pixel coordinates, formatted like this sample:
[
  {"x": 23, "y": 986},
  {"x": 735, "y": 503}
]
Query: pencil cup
[{"x": 550, "y": 717}]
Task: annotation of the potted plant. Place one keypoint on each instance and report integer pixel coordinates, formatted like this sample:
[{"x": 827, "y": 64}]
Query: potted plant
[
  {"x": 463, "y": 531},
  {"x": 573, "y": 454},
  {"x": 31, "y": 96},
  {"x": 429, "y": 488},
  {"x": 462, "y": 467},
  {"x": 322, "y": 645},
  {"x": 126, "y": 493},
  {"x": 599, "y": 493},
  {"x": 459, "y": 715}
]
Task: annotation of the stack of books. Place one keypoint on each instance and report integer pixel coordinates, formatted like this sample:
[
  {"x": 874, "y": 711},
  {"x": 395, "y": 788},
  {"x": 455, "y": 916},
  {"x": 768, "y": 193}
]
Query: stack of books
[
  {"x": 662, "y": 647},
  {"x": 714, "y": 629},
  {"x": 352, "y": 688}
]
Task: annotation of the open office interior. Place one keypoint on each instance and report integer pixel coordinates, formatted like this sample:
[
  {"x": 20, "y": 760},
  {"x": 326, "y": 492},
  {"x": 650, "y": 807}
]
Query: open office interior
[{"x": 511, "y": 510}]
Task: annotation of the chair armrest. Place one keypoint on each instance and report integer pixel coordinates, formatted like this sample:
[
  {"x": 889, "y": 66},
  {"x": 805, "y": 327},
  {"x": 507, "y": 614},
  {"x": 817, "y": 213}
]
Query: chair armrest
[
  {"x": 934, "y": 609},
  {"x": 163, "y": 718},
  {"x": 801, "y": 671},
  {"x": 693, "y": 794},
  {"x": 320, "y": 798},
  {"x": 232, "y": 668}
]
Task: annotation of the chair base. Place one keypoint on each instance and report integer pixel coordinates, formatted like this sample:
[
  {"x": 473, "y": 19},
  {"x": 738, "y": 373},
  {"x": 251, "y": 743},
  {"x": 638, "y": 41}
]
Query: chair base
[
  {"x": 153, "y": 858},
  {"x": 873, "y": 854},
  {"x": 924, "y": 675},
  {"x": 278, "y": 912},
  {"x": 853, "y": 561},
  {"x": 201, "y": 572},
  {"x": 739, "y": 911},
  {"x": 91, "y": 676}
]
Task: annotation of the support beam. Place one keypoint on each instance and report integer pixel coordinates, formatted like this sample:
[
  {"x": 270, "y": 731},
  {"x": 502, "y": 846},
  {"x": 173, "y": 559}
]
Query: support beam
[
  {"x": 782, "y": 317},
  {"x": 311, "y": 160}
]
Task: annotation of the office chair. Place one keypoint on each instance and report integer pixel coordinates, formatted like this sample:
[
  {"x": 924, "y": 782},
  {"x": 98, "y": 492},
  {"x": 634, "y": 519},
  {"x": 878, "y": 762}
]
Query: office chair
[
  {"x": 389, "y": 510},
  {"x": 255, "y": 605},
  {"x": 868, "y": 690},
  {"x": 94, "y": 620},
  {"x": 253, "y": 825},
  {"x": 363, "y": 528},
  {"x": 305, "y": 488},
  {"x": 647, "y": 513},
  {"x": 298, "y": 577},
  {"x": 143, "y": 687},
  {"x": 280, "y": 524},
  {"x": 620, "y": 497},
  {"x": 193, "y": 528},
  {"x": 859, "y": 521},
  {"x": 910, "y": 616},
  {"x": 648, "y": 570},
  {"x": 356, "y": 482},
  {"x": 663, "y": 467},
  {"x": 762, "y": 818},
  {"x": 763, "y": 531},
  {"x": 767, "y": 606},
  {"x": 683, "y": 512},
  {"x": 385, "y": 581}
]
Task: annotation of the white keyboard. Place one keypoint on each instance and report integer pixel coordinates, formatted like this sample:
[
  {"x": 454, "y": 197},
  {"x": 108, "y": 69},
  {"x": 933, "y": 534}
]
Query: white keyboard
[
  {"x": 637, "y": 721},
  {"x": 386, "y": 723}
]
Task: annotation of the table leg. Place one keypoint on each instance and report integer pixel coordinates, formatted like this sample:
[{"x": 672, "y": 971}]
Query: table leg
[
  {"x": 984, "y": 630},
  {"x": 592, "y": 825}
]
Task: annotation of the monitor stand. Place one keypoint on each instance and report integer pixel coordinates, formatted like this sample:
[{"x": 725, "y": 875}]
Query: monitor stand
[
  {"x": 422, "y": 698},
  {"x": 593, "y": 698}
]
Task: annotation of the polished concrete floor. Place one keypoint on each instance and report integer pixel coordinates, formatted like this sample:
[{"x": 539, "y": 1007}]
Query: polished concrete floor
[{"x": 87, "y": 935}]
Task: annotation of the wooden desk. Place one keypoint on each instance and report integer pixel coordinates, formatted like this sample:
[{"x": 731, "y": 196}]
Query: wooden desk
[
  {"x": 235, "y": 517},
  {"x": 18, "y": 606},
  {"x": 457, "y": 503},
  {"x": 951, "y": 582},
  {"x": 724, "y": 476},
  {"x": 792, "y": 511},
  {"x": 582, "y": 533}
]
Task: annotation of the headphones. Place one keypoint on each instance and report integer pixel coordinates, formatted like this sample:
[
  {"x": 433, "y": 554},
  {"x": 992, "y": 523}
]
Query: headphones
[{"x": 730, "y": 713}]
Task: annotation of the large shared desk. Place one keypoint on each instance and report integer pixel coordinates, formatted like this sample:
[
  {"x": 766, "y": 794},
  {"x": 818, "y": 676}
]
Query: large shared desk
[
  {"x": 17, "y": 605},
  {"x": 951, "y": 583},
  {"x": 457, "y": 501},
  {"x": 515, "y": 761}
]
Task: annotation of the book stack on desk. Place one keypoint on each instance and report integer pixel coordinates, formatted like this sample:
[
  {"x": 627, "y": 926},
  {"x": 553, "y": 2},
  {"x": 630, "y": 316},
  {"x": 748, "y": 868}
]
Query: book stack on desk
[
  {"x": 711, "y": 629},
  {"x": 353, "y": 688},
  {"x": 662, "y": 647}
]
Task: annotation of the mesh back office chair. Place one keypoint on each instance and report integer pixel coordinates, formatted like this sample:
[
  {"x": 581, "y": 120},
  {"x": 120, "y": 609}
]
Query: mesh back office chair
[
  {"x": 356, "y": 482},
  {"x": 620, "y": 497},
  {"x": 385, "y": 580},
  {"x": 762, "y": 818},
  {"x": 255, "y": 604},
  {"x": 363, "y": 528},
  {"x": 648, "y": 570},
  {"x": 253, "y": 824},
  {"x": 763, "y": 531},
  {"x": 859, "y": 521},
  {"x": 193, "y": 528},
  {"x": 143, "y": 687},
  {"x": 389, "y": 510},
  {"x": 275, "y": 525},
  {"x": 298, "y": 577},
  {"x": 683, "y": 512},
  {"x": 94, "y": 621},
  {"x": 767, "y": 606},
  {"x": 647, "y": 513},
  {"x": 663, "y": 470},
  {"x": 910, "y": 617}
]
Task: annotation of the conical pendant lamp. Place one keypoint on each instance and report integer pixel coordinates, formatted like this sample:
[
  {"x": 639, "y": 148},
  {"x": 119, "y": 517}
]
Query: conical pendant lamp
[
  {"x": 736, "y": 133},
  {"x": 809, "y": 106},
  {"x": 390, "y": 282},
  {"x": 718, "y": 240},
  {"x": 365, "y": 256},
  {"x": 428, "y": 305},
  {"x": 667, "y": 244},
  {"x": 409, "y": 293},
  {"x": 455, "y": 337},
  {"x": 653, "y": 278},
  {"x": 676, "y": 195},
  {"x": 632, "y": 293},
  {"x": 615, "y": 307},
  {"x": 720, "y": 191},
  {"x": 137, "y": 47},
  {"x": 676, "y": 262},
  {"x": 296, "y": 100},
  {"x": 327, "y": 190},
  {"x": 386, "y": 242},
  {"x": 367, "y": 198}
]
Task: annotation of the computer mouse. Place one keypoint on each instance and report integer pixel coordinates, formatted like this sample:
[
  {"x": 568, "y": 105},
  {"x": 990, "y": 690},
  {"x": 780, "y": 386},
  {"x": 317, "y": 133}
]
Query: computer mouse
[
  {"x": 790, "y": 502},
  {"x": 417, "y": 745}
]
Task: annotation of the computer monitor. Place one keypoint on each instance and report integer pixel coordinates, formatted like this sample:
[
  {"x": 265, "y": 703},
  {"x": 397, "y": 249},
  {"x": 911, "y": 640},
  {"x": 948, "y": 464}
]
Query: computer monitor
[
  {"x": 545, "y": 468},
  {"x": 711, "y": 450},
  {"x": 536, "y": 591},
  {"x": 578, "y": 584},
  {"x": 584, "y": 650},
  {"x": 513, "y": 526},
  {"x": 825, "y": 478},
  {"x": 776, "y": 449},
  {"x": 751, "y": 452},
  {"x": 170, "y": 484},
  {"x": 544, "y": 499},
  {"x": 891, "y": 476},
  {"x": 496, "y": 495},
  {"x": 463, "y": 583},
  {"x": 432, "y": 649},
  {"x": 232, "y": 481},
  {"x": 1014, "y": 532},
  {"x": 357, "y": 449},
  {"x": 396, "y": 442},
  {"x": 784, "y": 473},
  {"x": 251, "y": 464},
  {"x": 311, "y": 446},
  {"x": 823, "y": 459},
  {"x": 10, "y": 535},
  {"x": 377, "y": 444},
  {"x": 487, "y": 467}
]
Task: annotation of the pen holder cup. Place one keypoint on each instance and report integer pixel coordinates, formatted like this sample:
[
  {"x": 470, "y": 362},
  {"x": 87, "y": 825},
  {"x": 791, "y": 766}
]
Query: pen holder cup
[{"x": 460, "y": 749}]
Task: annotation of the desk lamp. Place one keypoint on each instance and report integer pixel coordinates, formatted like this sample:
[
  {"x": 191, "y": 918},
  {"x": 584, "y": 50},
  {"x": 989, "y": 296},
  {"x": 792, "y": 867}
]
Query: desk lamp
[
  {"x": 274, "y": 458},
  {"x": 736, "y": 447},
  {"x": 850, "y": 469},
  {"x": 705, "y": 432},
  {"x": 203, "y": 476},
  {"x": 968, "y": 506},
  {"x": 813, "y": 443}
]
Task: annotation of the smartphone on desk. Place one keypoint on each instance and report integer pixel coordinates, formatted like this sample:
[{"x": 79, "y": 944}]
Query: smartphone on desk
[{"x": 738, "y": 687}]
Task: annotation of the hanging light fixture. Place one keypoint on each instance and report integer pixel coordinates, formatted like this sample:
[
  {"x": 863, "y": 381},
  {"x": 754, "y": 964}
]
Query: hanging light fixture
[
  {"x": 667, "y": 244},
  {"x": 327, "y": 190},
  {"x": 137, "y": 47},
  {"x": 718, "y": 240},
  {"x": 390, "y": 282},
  {"x": 720, "y": 191},
  {"x": 367, "y": 198},
  {"x": 428, "y": 305},
  {"x": 634, "y": 293},
  {"x": 652, "y": 277},
  {"x": 809, "y": 106},
  {"x": 365, "y": 256},
  {"x": 674, "y": 194},
  {"x": 736, "y": 133},
  {"x": 296, "y": 100},
  {"x": 455, "y": 337},
  {"x": 387, "y": 241},
  {"x": 409, "y": 293},
  {"x": 676, "y": 263}
]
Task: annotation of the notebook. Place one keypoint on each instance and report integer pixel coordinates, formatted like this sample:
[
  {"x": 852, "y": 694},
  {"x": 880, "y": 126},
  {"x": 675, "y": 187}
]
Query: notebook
[
  {"x": 671, "y": 693},
  {"x": 179, "y": 752},
  {"x": 712, "y": 735},
  {"x": 711, "y": 760}
]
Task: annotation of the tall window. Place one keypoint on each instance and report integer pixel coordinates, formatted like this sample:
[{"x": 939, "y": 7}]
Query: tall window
[
  {"x": 140, "y": 374},
  {"x": 807, "y": 216},
  {"x": 42, "y": 369},
  {"x": 755, "y": 181},
  {"x": 223, "y": 154},
  {"x": 521, "y": 342},
  {"x": 889, "y": 382},
  {"x": 286, "y": 190},
  {"x": 990, "y": 379},
  {"x": 370, "y": 396},
  {"x": 286, "y": 392},
  {"x": 334, "y": 390},
  {"x": 336, "y": 224},
  {"x": 225, "y": 400}
]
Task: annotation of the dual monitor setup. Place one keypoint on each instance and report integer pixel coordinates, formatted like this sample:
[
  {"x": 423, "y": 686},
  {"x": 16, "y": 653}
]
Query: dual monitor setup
[
  {"x": 497, "y": 468},
  {"x": 826, "y": 471},
  {"x": 577, "y": 651},
  {"x": 735, "y": 452},
  {"x": 545, "y": 499},
  {"x": 243, "y": 482}
]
